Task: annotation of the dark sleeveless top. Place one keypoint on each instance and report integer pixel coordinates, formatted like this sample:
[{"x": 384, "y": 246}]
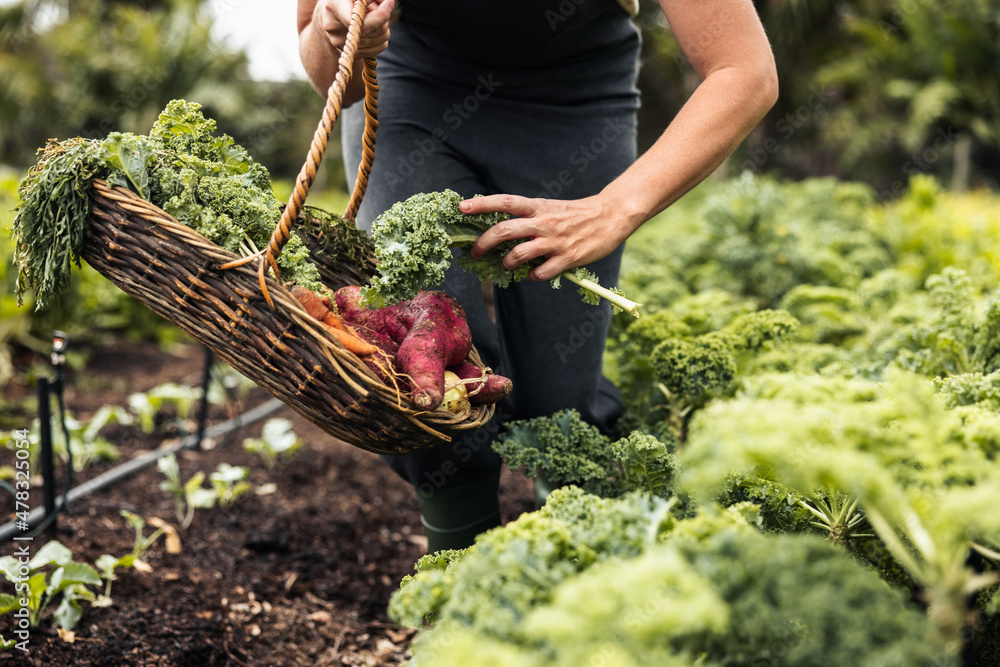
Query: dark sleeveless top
[{"x": 562, "y": 52}]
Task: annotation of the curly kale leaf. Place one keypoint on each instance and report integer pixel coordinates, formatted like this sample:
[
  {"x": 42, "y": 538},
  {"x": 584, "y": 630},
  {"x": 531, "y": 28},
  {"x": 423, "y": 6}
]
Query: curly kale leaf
[
  {"x": 803, "y": 594},
  {"x": 970, "y": 389},
  {"x": 751, "y": 331},
  {"x": 986, "y": 358},
  {"x": 778, "y": 506},
  {"x": 493, "y": 585},
  {"x": 696, "y": 368},
  {"x": 563, "y": 447},
  {"x": 943, "y": 342},
  {"x": 646, "y": 464},
  {"x": 950, "y": 329},
  {"x": 183, "y": 130},
  {"x": 209, "y": 183},
  {"x": 127, "y": 158},
  {"x": 414, "y": 241},
  {"x": 701, "y": 367},
  {"x": 201, "y": 178},
  {"x": 420, "y": 602},
  {"x": 212, "y": 185},
  {"x": 828, "y": 314},
  {"x": 566, "y": 450},
  {"x": 581, "y": 578}
]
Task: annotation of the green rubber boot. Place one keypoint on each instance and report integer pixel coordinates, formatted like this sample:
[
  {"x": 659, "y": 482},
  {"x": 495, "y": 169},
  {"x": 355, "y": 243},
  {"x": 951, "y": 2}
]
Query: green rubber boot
[{"x": 453, "y": 517}]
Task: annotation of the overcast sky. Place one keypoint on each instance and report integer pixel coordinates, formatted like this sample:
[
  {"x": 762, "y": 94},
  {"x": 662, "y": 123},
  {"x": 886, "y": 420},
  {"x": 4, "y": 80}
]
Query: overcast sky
[{"x": 265, "y": 29}]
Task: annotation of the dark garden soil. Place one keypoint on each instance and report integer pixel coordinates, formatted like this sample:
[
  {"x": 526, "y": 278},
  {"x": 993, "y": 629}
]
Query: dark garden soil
[{"x": 300, "y": 575}]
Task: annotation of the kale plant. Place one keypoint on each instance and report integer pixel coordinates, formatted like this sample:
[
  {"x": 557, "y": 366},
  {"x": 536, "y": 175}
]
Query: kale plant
[
  {"x": 495, "y": 584},
  {"x": 927, "y": 489},
  {"x": 761, "y": 238},
  {"x": 667, "y": 372},
  {"x": 957, "y": 334},
  {"x": 587, "y": 579},
  {"x": 562, "y": 447},
  {"x": 733, "y": 597},
  {"x": 188, "y": 495},
  {"x": 107, "y": 563},
  {"x": 414, "y": 241},
  {"x": 278, "y": 442},
  {"x": 49, "y": 575},
  {"x": 566, "y": 450}
]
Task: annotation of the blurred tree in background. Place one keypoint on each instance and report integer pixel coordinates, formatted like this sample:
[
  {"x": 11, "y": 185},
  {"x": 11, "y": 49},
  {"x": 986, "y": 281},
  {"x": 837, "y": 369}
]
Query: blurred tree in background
[
  {"x": 920, "y": 77},
  {"x": 803, "y": 35},
  {"x": 90, "y": 67},
  {"x": 872, "y": 90}
]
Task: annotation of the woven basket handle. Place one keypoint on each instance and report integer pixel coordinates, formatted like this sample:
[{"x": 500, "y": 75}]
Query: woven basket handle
[{"x": 331, "y": 112}]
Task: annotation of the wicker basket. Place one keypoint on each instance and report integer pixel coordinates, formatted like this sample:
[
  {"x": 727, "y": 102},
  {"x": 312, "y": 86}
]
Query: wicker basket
[{"x": 251, "y": 321}]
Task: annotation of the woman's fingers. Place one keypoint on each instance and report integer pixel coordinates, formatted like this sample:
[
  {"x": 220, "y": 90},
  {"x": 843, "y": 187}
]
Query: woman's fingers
[
  {"x": 510, "y": 204},
  {"x": 557, "y": 235},
  {"x": 520, "y": 225},
  {"x": 335, "y": 17}
]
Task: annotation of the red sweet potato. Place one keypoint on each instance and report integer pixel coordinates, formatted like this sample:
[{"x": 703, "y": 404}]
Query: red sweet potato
[
  {"x": 431, "y": 331},
  {"x": 393, "y": 321},
  {"x": 438, "y": 338},
  {"x": 492, "y": 390}
]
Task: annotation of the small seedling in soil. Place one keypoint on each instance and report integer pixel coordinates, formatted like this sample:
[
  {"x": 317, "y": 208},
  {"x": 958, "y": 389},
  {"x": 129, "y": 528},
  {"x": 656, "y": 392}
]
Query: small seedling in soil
[
  {"x": 229, "y": 483},
  {"x": 67, "y": 580},
  {"x": 189, "y": 495},
  {"x": 107, "y": 564},
  {"x": 277, "y": 441}
]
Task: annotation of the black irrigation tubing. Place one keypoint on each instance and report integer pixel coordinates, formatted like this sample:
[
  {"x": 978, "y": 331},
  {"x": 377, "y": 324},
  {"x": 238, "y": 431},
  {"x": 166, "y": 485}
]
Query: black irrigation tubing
[{"x": 9, "y": 530}]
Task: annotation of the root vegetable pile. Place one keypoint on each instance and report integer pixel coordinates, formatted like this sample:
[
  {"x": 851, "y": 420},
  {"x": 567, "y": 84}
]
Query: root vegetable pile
[{"x": 411, "y": 344}]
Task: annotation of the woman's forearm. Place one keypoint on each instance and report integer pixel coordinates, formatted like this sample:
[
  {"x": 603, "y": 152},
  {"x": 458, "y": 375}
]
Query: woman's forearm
[
  {"x": 727, "y": 47},
  {"x": 709, "y": 127}
]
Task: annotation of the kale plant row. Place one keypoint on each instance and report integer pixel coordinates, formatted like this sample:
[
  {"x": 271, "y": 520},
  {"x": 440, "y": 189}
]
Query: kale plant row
[{"x": 810, "y": 472}]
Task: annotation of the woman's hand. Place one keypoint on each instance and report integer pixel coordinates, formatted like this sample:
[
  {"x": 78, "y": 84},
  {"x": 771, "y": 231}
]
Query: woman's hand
[
  {"x": 334, "y": 16},
  {"x": 323, "y": 32},
  {"x": 564, "y": 234}
]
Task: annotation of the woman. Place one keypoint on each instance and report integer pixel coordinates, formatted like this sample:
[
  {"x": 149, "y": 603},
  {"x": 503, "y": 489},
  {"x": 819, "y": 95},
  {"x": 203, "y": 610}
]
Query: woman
[{"x": 534, "y": 105}]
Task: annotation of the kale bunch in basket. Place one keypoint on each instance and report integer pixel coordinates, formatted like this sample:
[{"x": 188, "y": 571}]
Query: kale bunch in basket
[{"x": 203, "y": 179}]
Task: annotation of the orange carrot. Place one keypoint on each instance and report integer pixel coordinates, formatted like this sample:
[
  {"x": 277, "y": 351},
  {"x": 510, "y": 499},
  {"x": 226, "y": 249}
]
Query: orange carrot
[
  {"x": 311, "y": 301},
  {"x": 353, "y": 343},
  {"x": 319, "y": 308}
]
